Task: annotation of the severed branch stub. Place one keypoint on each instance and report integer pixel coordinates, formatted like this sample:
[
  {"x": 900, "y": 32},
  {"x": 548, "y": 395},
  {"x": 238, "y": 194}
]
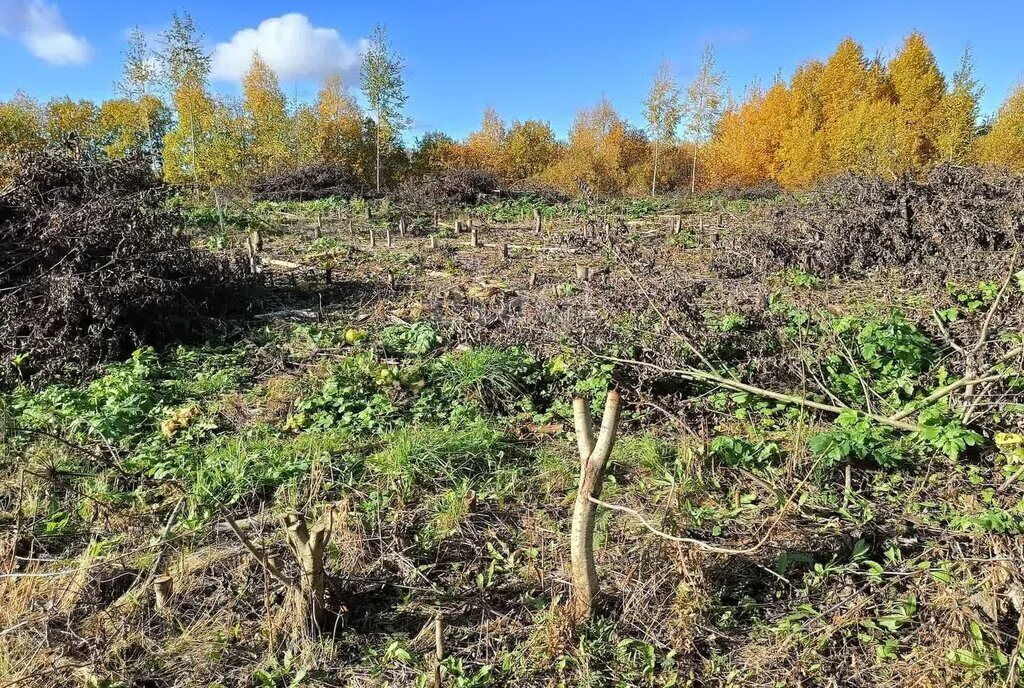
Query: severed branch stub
[
  {"x": 308, "y": 548},
  {"x": 593, "y": 458},
  {"x": 305, "y": 593}
]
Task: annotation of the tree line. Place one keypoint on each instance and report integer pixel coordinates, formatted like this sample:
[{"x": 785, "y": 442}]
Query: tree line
[{"x": 848, "y": 113}]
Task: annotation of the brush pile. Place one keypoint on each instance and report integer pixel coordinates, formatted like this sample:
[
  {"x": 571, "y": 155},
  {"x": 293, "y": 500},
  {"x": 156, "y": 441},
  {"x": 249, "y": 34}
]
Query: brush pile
[
  {"x": 308, "y": 183},
  {"x": 948, "y": 224},
  {"x": 92, "y": 265},
  {"x": 449, "y": 189}
]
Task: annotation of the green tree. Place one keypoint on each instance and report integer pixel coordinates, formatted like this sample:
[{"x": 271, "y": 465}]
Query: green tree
[
  {"x": 703, "y": 105},
  {"x": 435, "y": 151},
  {"x": 139, "y": 73},
  {"x": 384, "y": 88},
  {"x": 663, "y": 112}
]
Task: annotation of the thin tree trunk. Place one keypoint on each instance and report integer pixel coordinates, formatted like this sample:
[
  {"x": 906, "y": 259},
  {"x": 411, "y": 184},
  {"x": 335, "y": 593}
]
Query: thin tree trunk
[
  {"x": 693, "y": 169},
  {"x": 195, "y": 160},
  {"x": 654, "y": 177},
  {"x": 378, "y": 151}
]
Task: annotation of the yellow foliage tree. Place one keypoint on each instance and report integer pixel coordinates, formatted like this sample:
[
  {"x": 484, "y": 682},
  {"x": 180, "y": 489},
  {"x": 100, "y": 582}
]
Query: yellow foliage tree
[
  {"x": 65, "y": 117},
  {"x": 268, "y": 118},
  {"x": 127, "y": 126},
  {"x": 435, "y": 151},
  {"x": 21, "y": 124},
  {"x": 919, "y": 88},
  {"x": 187, "y": 146},
  {"x": 305, "y": 132},
  {"x": 603, "y": 151},
  {"x": 185, "y": 66},
  {"x": 339, "y": 123},
  {"x": 958, "y": 114},
  {"x": 1004, "y": 143},
  {"x": 530, "y": 148},
  {"x": 746, "y": 149},
  {"x": 483, "y": 149},
  {"x": 801, "y": 158}
]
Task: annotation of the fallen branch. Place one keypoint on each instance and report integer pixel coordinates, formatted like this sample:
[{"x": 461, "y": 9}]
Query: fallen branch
[
  {"x": 258, "y": 555},
  {"x": 704, "y": 376}
]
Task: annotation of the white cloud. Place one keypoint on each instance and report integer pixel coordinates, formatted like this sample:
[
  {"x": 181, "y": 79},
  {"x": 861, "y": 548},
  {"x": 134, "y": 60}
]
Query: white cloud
[
  {"x": 291, "y": 45},
  {"x": 41, "y": 29}
]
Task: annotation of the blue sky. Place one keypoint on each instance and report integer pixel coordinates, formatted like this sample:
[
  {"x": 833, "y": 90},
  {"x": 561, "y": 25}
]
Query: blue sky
[{"x": 528, "y": 59}]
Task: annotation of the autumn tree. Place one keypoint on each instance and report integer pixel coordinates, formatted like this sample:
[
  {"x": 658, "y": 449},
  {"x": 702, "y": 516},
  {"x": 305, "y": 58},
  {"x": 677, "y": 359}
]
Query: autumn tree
[
  {"x": 484, "y": 148},
  {"x": 1004, "y": 143},
  {"x": 227, "y": 153},
  {"x": 21, "y": 124},
  {"x": 265, "y": 107},
  {"x": 138, "y": 84},
  {"x": 384, "y": 89},
  {"x": 958, "y": 113},
  {"x": 919, "y": 88},
  {"x": 663, "y": 111},
  {"x": 304, "y": 132},
  {"x": 703, "y": 105},
  {"x": 746, "y": 148},
  {"x": 131, "y": 126},
  {"x": 802, "y": 145},
  {"x": 604, "y": 151},
  {"x": 339, "y": 123},
  {"x": 530, "y": 148},
  {"x": 435, "y": 151},
  {"x": 66, "y": 117},
  {"x": 843, "y": 87},
  {"x": 185, "y": 67}
]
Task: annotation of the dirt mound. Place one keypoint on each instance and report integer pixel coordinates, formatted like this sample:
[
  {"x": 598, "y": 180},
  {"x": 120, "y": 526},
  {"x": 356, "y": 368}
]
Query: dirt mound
[
  {"x": 307, "y": 183},
  {"x": 932, "y": 229},
  {"x": 92, "y": 265}
]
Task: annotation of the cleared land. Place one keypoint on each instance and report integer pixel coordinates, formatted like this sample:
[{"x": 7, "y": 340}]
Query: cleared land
[{"x": 822, "y": 412}]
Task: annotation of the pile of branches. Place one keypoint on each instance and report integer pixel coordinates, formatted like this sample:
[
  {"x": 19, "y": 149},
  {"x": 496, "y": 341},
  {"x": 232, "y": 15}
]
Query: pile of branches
[
  {"x": 93, "y": 265},
  {"x": 308, "y": 183},
  {"x": 932, "y": 229},
  {"x": 764, "y": 191},
  {"x": 531, "y": 188},
  {"x": 448, "y": 189}
]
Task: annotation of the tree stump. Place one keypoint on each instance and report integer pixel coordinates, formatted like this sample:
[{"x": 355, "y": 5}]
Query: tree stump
[
  {"x": 163, "y": 589},
  {"x": 308, "y": 548},
  {"x": 593, "y": 459}
]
